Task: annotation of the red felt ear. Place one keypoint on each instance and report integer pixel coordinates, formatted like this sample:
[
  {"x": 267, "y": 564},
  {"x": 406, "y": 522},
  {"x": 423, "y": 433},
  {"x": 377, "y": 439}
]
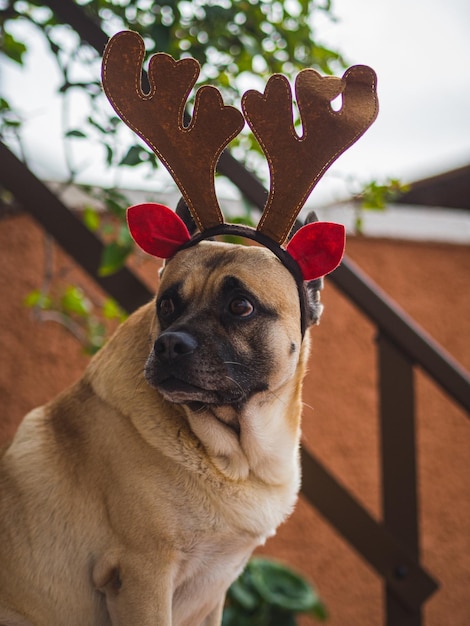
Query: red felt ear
[
  {"x": 157, "y": 229},
  {"x": 318, "y": 248}
]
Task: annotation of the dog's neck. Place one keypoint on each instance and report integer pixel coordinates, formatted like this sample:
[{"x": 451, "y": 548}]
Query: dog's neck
[{"x": 258, "y": 440}]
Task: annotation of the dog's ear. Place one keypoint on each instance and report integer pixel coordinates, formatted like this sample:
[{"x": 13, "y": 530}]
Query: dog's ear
[
  {"x": 184, "y": 213},
  {"x": 315, "y": 307}
]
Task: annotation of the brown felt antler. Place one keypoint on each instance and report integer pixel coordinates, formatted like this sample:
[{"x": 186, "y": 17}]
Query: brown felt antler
[
  {"x": 189, "y": 153},
  {"x": 297, "y": 163}
]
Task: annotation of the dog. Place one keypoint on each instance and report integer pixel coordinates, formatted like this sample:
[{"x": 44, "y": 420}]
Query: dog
[{"x": 138, "y": 494}]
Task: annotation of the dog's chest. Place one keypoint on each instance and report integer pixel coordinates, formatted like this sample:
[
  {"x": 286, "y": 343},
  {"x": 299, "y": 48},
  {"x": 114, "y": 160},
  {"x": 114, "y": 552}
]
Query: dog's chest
[{"x": 204, "y": 575}]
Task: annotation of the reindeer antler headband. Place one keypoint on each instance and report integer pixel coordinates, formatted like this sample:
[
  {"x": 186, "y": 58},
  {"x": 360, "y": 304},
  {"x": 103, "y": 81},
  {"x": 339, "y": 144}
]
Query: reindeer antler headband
[{"x": 190, "y": 153}]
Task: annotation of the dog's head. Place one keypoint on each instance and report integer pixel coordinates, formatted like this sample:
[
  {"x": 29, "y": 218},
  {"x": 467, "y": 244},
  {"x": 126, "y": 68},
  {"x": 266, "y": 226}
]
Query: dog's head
[
  {"x": 227, "y": 325},
  {"x": 230, "y": 320}
]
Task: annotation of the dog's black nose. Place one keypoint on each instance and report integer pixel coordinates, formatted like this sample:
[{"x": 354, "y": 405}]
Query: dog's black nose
[{"x": 172, "y": 345}]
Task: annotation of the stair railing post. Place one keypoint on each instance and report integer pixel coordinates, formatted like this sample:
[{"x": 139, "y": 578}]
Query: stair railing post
[{"x": 399, "y": 473}]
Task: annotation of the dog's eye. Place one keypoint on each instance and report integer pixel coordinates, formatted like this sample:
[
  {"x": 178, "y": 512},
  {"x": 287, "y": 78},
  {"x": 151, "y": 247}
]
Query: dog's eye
[
  {"x": 166, "y": 308},
  {"x": 241, "y": 307}
]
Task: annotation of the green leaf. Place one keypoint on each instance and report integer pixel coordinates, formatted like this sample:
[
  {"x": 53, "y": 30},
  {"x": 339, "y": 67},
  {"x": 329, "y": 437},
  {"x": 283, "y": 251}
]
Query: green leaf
[
  {"x": 267, "y": 593},
  {"x": 75, "y": 133},
  {"x": 115, "y": 202},
  {"x": 319, "y": 611},
  {"x": 91, "y": 219},
  {"x": 247, "y": 220},
  {"x": 113, "y": 258},
  {"x": 37, "y": 298},
  {"x": 109, "y": 154},
  {"x": 96, "y": 336},
  {"x": 282, "y": 618},
  {"x": 96, "y": 125},
  {"x": 374, "y": 196},
  {"x": 9, "y": 119},
  {"x": 124, "y": 237},
  {"x": 13, "y": 48},
  {"x": 359, "y": 224},
  {"x": 243, "y": 594},
  {"x": 281, "y": 587},
  {"x": 12, "y": 123},
  {"x": 112, "y": 310},
  {"x": 233, "y": 616},
  {"x": 75, "y": 301},
  {"x": 134, "y": 156},
  {"x": 239, "y": 241}
]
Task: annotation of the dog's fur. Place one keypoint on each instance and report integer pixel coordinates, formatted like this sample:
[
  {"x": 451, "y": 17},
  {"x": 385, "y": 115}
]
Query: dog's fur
[{"x": 137, "y": 495}]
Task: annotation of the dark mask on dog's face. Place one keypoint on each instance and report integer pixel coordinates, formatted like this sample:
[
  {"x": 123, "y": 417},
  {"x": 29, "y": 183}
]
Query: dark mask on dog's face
[
  {"x": 225, "y": 331},
  {"x": 191, "y": 152}
]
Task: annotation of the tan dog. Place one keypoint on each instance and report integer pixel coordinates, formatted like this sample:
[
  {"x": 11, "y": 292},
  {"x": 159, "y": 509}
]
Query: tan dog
[
  {"x": 130, "y": 503},
  {"x": 136, "y": 497}
]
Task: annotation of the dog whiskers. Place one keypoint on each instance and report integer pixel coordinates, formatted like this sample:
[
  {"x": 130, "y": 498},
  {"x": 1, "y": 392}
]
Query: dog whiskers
[
  {"x": 277, "y": 397},
  {"x": 201, "y": 409},
  {"x": 234, "y": 363},
  {"x": 236, "y": 384}
]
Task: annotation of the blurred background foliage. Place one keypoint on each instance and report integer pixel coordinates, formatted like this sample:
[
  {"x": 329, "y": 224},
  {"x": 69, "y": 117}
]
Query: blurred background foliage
[{"x": 268, "y": 593}]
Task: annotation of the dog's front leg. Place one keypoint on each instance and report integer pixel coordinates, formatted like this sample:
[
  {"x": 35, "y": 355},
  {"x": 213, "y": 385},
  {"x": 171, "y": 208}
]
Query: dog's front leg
[
  {"x": 137, "y": 592},
  {"x": 135, "y": 609}
]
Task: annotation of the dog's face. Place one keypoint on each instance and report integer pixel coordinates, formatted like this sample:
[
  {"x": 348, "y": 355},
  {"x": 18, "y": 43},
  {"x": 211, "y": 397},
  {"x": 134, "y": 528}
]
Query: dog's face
[{"x": 227, "y": 326}]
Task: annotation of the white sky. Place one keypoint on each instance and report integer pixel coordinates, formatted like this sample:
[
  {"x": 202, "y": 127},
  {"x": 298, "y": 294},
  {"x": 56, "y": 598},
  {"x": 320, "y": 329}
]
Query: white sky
[{"x": 420, "y": 50}]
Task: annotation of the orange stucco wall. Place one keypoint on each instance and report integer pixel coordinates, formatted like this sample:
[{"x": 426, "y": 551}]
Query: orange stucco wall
[{"x": 431, "y": 282}]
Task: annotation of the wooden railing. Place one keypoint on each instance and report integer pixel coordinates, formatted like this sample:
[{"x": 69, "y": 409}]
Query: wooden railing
[{"x": 391, "y": 547}]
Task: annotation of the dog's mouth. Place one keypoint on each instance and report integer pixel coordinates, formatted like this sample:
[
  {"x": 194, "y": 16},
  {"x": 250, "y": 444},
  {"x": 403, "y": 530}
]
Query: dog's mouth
[
  {"x": 202, "y": 401},
  {"x": 181, "y": 391},
  {"x": 200, "y": 380}
]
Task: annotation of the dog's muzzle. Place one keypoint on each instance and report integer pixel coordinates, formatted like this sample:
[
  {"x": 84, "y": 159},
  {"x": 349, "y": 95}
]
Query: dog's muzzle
[{"x": 185, "y": 372}]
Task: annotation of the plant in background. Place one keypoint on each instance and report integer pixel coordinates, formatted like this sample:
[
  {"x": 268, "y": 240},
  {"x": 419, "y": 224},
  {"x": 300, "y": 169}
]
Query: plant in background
[
  {"x": 57, "y": 300},
  {"x": 269, "y": 594},
  {"x": 75, "y": 311},
  {"x": 114, "y": 231},
  {"x": 374, "y": 196}
]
